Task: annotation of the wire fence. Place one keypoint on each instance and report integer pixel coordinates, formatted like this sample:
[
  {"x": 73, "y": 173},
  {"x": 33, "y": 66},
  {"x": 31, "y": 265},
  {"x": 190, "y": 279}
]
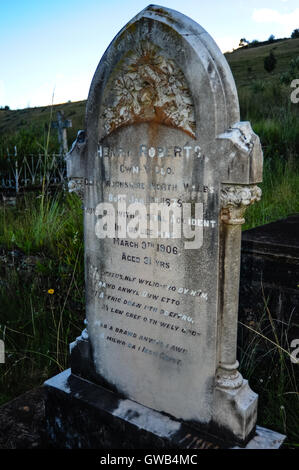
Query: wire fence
[{"x": 32, "y": 171}]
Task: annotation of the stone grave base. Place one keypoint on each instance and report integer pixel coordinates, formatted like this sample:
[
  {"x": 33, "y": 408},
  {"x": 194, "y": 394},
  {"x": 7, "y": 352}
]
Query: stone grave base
[{"x": 80, "y": 414}]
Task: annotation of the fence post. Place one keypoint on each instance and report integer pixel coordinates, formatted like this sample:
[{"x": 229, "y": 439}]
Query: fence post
[
  {"x": 17, "y": 170},
  {"x": 17, "y": 177}
]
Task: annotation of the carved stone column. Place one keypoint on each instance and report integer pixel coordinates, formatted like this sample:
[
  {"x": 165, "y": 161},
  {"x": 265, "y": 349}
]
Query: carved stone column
[
  {"x": 235, "y": 402},
  {"x": 76, "y": 167}
]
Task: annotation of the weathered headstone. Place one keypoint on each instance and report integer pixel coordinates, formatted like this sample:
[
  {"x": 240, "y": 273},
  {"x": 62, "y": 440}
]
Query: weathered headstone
[
  {"x": 163, "y": 127},
  {"x": 270, "y": 273},
  {"x": 61, "y": 125}
]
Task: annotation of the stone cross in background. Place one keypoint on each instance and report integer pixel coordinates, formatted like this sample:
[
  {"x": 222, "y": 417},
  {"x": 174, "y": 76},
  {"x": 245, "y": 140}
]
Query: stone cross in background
[
  {"x": 163, "y": 127},
  {"x": 61, "y": 125}
]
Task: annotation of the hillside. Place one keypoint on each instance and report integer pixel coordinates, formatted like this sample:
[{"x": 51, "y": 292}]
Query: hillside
[
  {"x": 15, "y": 120},
  {"x": 247, "y": 65}
]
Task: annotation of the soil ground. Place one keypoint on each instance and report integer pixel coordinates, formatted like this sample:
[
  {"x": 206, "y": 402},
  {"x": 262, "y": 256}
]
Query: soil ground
[{"x": 22, "y": 421}]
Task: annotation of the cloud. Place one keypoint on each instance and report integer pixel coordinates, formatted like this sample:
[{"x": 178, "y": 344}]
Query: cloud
[
  {"x": 227, "y": 43},
  {"x": 289, "y": 21}
]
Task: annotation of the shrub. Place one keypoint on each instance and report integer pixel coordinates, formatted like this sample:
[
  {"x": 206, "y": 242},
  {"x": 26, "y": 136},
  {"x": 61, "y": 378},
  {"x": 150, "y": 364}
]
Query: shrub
[
  {"x": 295, "y": 34},
  {"x": 270, "y": 62}
]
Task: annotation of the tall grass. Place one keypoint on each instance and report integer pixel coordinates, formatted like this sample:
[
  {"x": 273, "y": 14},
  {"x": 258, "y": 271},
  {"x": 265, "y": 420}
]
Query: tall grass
[
  {"x": 280, "y": 198},
  {"x": 38, "y": 224},
  {"x": 265, "y": 360},
  {"x": 41, "y": 296},
  {"x": 264, "y": 349},
  {"x": 32, "y": 227},
  {"x": 275, "y": 119},
  {"x": 36, "y": 327}
]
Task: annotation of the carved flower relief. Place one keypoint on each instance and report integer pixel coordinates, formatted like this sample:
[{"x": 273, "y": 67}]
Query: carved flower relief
[
  {"x": 76, "y": 185},
  {"x": 236, "y": 195},
  {"x": 150, "y": 87},
  {"x": 126, "y": 99},
  {"x": 234, "y": 201}
]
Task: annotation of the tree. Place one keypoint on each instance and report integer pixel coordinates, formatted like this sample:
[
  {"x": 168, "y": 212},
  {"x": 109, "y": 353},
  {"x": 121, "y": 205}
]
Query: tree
[
  {"x": 254, "y": 43},
  {"x": 271, "y": 38},
  {"x": 243, "y": 42},
  {"x": 295, "y": 34},
  {"x": 270, "y": 62}
]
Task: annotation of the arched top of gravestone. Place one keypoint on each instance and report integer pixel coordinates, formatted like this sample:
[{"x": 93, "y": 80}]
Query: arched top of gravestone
[
  {"x": 163, "y": 67},
  {"x": 165, "y": 70}
]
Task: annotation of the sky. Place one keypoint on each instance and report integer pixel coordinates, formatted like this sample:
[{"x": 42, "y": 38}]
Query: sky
[{"x": 49, "y": 50}]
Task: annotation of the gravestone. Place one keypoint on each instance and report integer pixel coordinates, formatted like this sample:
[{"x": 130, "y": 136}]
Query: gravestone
[
  {"x": 164, "y": 143},
  {"x": 269, "y": 276},
  {"x": 61, "y": 125}
]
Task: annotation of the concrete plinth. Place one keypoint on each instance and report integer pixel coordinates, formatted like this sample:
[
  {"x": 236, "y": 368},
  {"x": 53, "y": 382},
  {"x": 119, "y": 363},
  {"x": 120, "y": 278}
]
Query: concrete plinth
[{"x": 80, "y": 414}]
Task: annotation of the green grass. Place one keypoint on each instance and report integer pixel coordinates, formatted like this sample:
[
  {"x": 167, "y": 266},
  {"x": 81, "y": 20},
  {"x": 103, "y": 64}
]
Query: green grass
[
  {"x": 38, "y": 224},
  {"x": 32, "y": 228},
  {"x": 276, "y": 121},
  {"x": 280, "y": 196},
  {"x": 38, "y": 326},
  {"x": 265, "y": 361}
]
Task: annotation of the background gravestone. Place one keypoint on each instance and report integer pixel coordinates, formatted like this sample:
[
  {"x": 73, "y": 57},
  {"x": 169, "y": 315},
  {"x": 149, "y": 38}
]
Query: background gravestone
[{"x": 162, "y": 126}]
